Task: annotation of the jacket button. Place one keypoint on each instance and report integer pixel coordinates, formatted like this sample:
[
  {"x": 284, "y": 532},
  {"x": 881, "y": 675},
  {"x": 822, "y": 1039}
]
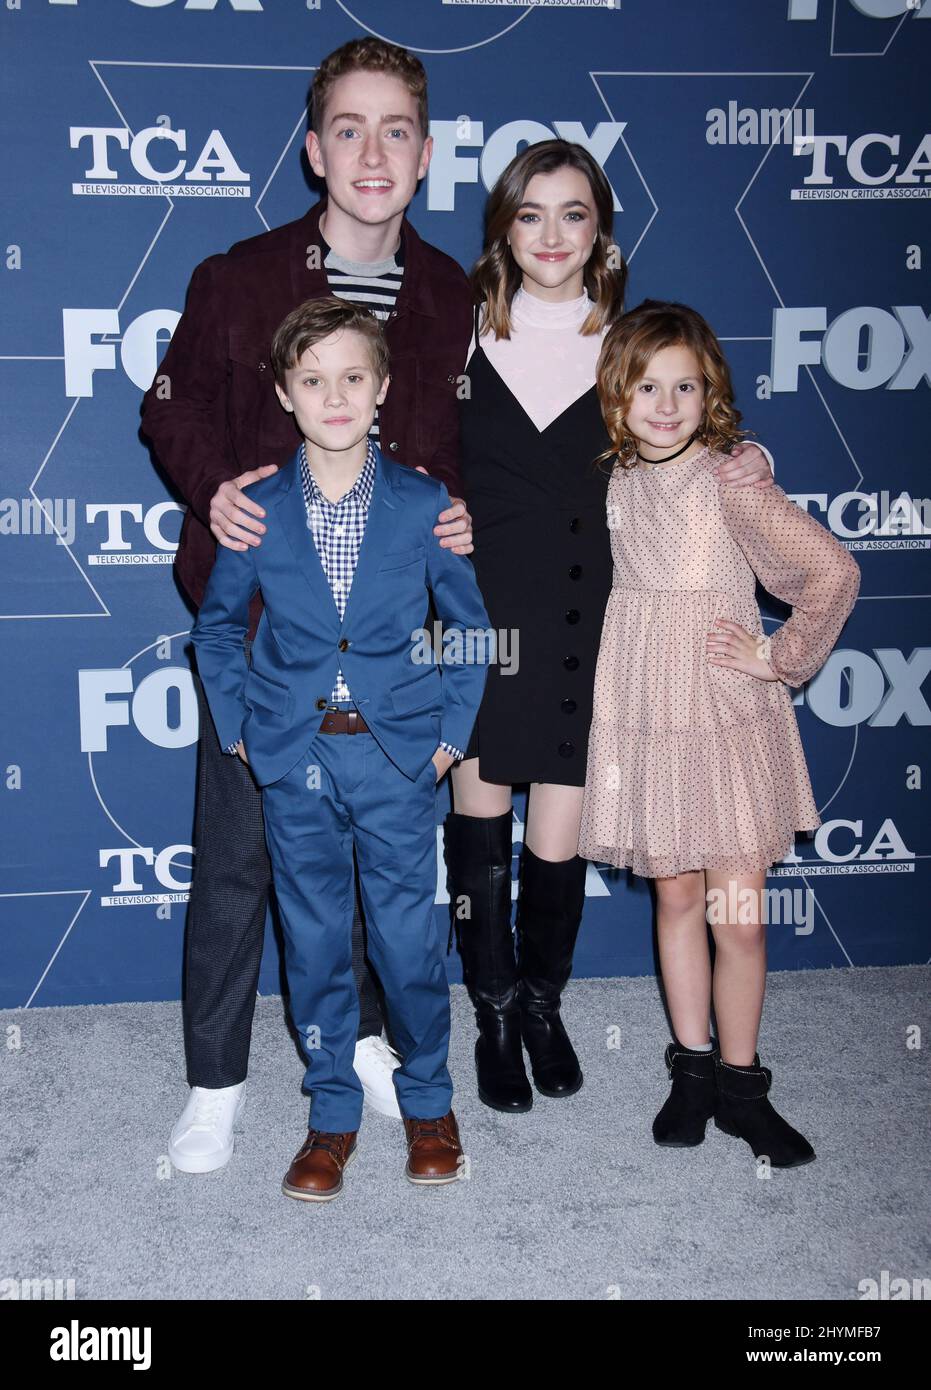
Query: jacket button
[
  {"x": 571, "y": 663},
  {"x": 572, "y": 615},
  {"x": 393, "y": 446},
  {"x": 262, "y": 366},
  {"x": 451, "y": 379},
  {"x": 343, "y": 644},
  {"x": 575, "y": 525},
  {"x": 566, "y": 750},
  {"x": 321, "y": 704},
  {"x": 575, "y": 571},
  {"x": 568, "y": 706}
]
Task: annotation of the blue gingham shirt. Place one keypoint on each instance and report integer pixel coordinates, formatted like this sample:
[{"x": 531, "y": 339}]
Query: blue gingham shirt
[{"x": 338, "y": 529}]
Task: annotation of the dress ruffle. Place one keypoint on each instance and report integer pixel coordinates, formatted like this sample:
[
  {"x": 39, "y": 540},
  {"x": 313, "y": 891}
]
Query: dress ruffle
[{"x": 691, "y": 766}]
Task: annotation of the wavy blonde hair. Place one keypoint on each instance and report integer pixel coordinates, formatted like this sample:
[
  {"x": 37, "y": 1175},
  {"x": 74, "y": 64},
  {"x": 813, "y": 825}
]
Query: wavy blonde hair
[
  {"x": 630, "y": 344},
  {"x": 497, "y": 276}
]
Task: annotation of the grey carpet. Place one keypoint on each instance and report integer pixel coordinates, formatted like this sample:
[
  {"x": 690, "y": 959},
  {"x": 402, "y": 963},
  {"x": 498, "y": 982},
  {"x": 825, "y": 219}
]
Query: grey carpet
[{"x": 570, "y": 1201}]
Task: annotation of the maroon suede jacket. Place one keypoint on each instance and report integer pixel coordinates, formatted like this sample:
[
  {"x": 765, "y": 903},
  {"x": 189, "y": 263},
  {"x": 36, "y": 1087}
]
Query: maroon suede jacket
[{"x": 212, "y": 413}]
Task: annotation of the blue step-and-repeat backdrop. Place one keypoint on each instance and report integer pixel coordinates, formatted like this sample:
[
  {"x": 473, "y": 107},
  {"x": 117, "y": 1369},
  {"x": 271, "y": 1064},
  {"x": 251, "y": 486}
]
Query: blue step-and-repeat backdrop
[{"x": 771, "y": 161}]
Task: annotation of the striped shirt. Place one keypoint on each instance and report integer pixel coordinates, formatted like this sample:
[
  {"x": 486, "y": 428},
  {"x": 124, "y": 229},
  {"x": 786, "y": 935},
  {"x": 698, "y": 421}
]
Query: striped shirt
[{"x": 372, "y": 285}]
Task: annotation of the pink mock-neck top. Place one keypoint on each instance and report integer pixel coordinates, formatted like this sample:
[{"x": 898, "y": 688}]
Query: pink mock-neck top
[{"x": 546, "y": 363}]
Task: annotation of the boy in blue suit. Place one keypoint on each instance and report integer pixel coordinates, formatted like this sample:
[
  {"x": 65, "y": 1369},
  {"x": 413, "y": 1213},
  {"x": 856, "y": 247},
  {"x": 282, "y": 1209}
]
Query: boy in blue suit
[{"x": 347, "y": 729}]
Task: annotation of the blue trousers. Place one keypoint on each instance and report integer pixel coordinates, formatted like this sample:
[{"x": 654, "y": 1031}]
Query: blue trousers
[{"x": 346, "y": 792}]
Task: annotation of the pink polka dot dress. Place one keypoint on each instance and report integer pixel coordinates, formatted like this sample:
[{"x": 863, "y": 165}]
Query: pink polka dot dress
[{"x": 690, "y": 765}]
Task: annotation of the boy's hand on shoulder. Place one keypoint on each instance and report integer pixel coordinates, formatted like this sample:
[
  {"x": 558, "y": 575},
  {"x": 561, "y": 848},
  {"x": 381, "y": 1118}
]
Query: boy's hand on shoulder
[
  {"x": 746, "y": 464},
  {"x": 454, "y": 527},
  {"x": 234, "y": 516},
  {"x": 442, "y": 761}
]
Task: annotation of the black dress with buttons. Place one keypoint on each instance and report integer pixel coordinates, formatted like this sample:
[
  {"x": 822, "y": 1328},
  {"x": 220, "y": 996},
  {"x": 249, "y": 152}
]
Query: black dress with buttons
[{"x": 543, "y": 561}]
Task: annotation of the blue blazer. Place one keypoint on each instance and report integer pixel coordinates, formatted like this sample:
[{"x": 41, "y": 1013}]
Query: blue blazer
[{"x": 276, "y": 705}]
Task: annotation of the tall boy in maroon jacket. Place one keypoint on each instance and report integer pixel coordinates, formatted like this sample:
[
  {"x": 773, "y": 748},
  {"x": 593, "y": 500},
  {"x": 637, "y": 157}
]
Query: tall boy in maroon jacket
[{"x": 216, "y": 425}]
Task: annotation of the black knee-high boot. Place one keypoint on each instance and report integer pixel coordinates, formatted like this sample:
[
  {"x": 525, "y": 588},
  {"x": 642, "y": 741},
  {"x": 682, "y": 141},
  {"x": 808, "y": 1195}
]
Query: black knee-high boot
[
  {"x": 478, "y": 860},
  {"x": 549, "y": 910},
  {"x": 744, "y": 1111}
]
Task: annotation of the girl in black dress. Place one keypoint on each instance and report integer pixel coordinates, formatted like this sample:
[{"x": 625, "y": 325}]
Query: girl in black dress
[
  {"x": 548, "y": 285},
  {"x": 549, "y": 282}
]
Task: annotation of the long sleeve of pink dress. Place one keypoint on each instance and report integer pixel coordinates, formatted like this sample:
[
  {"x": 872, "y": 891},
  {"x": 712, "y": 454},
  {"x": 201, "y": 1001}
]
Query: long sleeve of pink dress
[{"x": 799, "y": 562}]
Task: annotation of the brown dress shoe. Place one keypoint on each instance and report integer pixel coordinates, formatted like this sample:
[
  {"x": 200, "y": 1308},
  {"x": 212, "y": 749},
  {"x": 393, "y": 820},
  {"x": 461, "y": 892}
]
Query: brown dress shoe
[
  {"x": 433, "y": 1149},
  {"x": 316, "y": 1172}
]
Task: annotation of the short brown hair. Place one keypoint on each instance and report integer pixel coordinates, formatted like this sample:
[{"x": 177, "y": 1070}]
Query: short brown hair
[
  {"x": 628, "y": 347},
  {"x": 497, "y": 276},
  {"x": 317, "y": 319},
  {"x": 369, "y": 55}
]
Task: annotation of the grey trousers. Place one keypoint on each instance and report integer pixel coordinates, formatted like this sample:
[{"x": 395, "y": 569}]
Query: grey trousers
[{"x": 225, "y": 928}]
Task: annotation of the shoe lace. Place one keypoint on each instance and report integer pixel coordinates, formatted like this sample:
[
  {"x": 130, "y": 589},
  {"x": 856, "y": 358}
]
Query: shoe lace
[
  {"x": 206, "y": 1110},
  {"x": 431, "y": 1129},
  {"x": 320, "y": 1139}
]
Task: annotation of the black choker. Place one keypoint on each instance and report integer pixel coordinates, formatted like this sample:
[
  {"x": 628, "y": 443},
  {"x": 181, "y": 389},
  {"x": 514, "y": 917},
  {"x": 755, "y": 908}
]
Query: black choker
[{"x": 652, "y": 463}]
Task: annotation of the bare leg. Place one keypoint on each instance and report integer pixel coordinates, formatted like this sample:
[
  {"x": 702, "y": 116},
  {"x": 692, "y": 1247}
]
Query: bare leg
[
  {"x": 743, "y": 1106},
  {"x": 473, "y": 797},
  {"x": 685, "y": 962},
  {"x": 554, "y": 814},
  {"x": 740, "y": 962}
]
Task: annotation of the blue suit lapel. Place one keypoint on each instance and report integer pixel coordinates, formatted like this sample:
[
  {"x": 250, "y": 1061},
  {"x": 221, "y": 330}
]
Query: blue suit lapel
[
  {"x": 380, "y": 527},
  {"x": 292, "y": 518}
]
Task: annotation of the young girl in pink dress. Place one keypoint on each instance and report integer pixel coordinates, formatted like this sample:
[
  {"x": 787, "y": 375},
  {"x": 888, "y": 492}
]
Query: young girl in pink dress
[{"x": 696, "y": 775}]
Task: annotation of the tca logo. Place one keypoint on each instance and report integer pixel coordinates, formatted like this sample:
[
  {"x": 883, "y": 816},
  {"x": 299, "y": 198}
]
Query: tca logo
[
  {"x": 873, "y": 520},
  {"x": 115, "y": 517},
  {"x": 129, "y": 891},
  {"x": 842, "y": 842},
  {"x": 884, "y": 166},
  {"x": 214, "y": 172},
  {"x": 450, "y": 167}
]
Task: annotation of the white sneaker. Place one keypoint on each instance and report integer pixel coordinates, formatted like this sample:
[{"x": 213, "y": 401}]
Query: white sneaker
[
  {"x": 373, "y": 1064},
  {"x": 202, "y": 1139}
]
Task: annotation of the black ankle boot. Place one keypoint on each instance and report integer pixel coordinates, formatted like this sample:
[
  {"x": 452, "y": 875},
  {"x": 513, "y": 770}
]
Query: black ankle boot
[
  {"x": 743, "y": 1110},
  {"x": 478, "y": 858},
  {"x": 549, "y": 910},
  {"x": 691, "y": 1102}
]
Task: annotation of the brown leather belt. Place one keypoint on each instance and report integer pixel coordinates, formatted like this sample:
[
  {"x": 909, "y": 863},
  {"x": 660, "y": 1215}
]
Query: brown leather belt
[{"x": 344, "y": 721}]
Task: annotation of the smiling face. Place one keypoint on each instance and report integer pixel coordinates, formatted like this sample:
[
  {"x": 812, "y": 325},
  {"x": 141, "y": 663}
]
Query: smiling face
[
  {"x": 552, "y": 235},
  {"x": 370, "y": 150},
  {"x": 333, "y": 391},
  {"x": 666, "y": 403}
]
